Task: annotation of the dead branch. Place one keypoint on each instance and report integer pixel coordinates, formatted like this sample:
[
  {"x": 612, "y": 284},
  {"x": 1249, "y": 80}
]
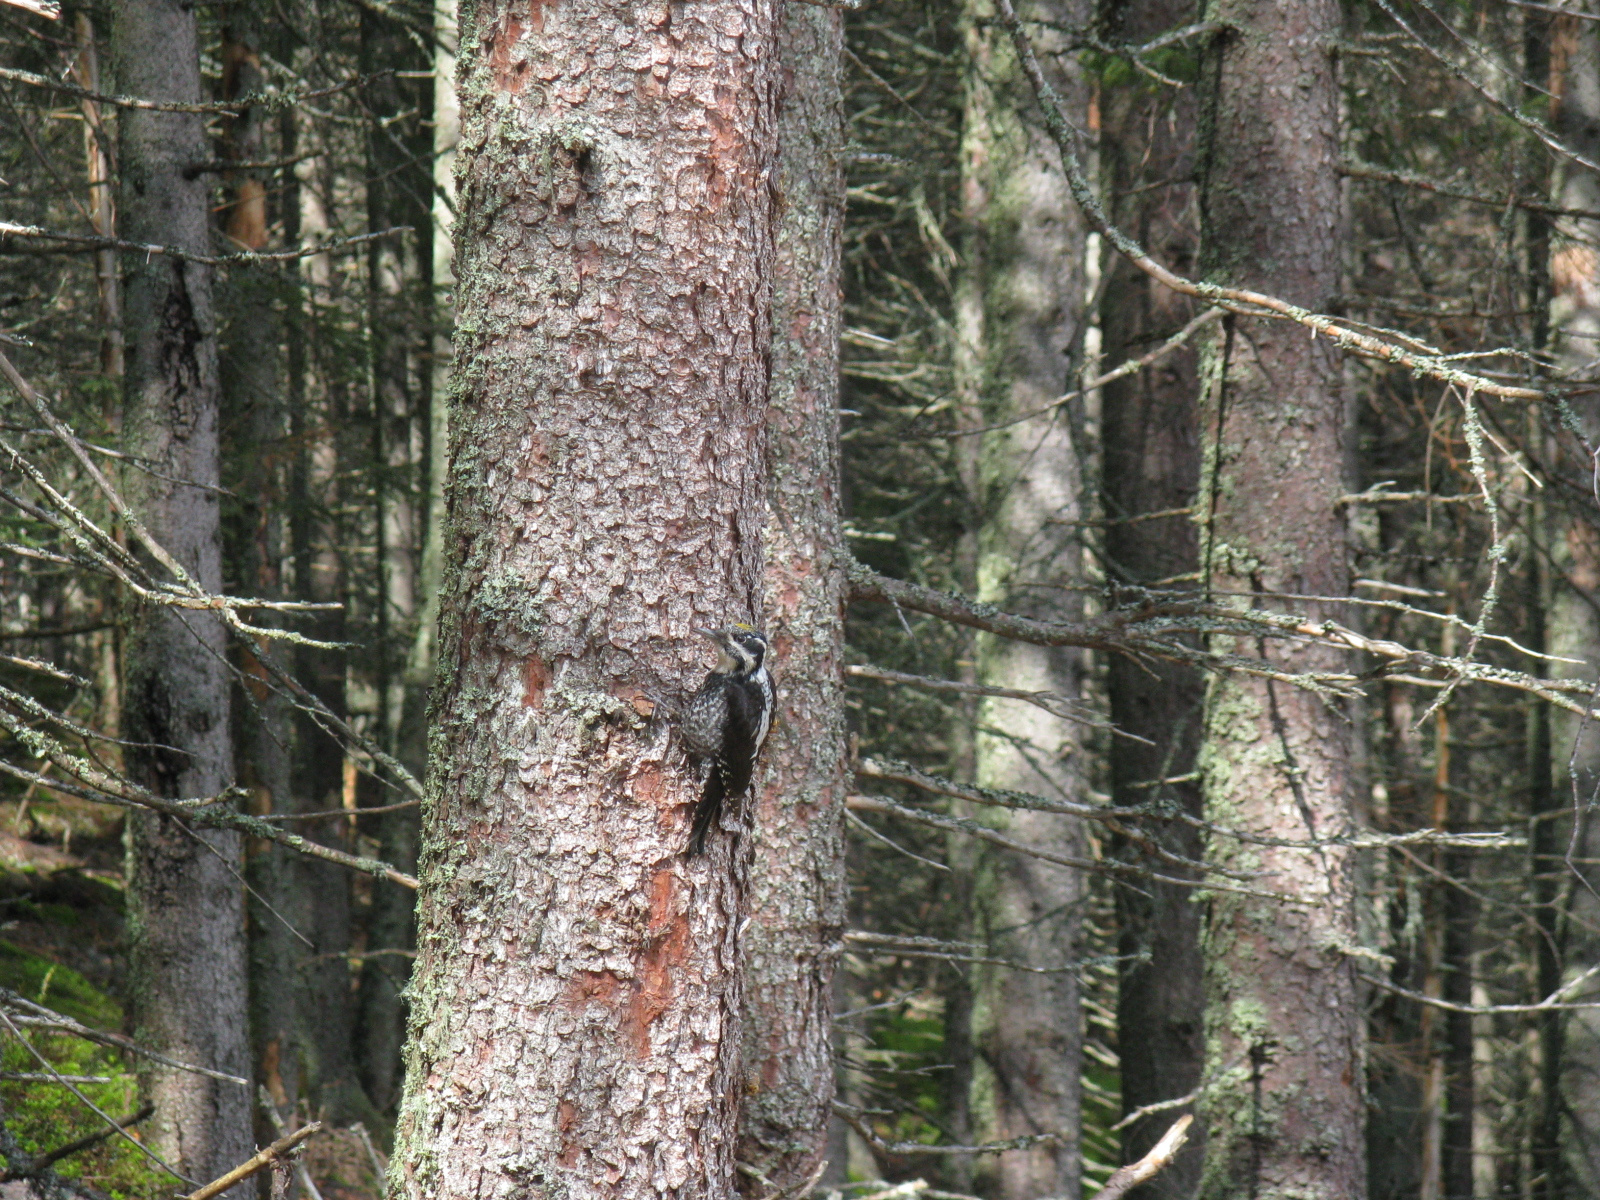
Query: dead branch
[
  {"x": 249, "y": 1167},
  {"x": 111, "y": 1122},
  {"x": 1152, "y": 1164},
  {"x": 96, "y": 242},
  {"x": 243, "y": 104},
  {"x": 46, "y": 1018}
]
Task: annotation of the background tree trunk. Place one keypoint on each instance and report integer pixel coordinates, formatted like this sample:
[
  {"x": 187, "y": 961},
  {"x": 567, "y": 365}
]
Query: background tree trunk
[
  {"x": 253, "y": 425},
  {"x": 1150, "y": 455},
  {"x": 797, "y": 880},
  {"x": 1284, "y": 1020},
  {"x": 185, "y": 903},
  {"x": 576, "y": 995},
  {"x": 1020, "y": 308},
  {"x": 399, "y": 331}
]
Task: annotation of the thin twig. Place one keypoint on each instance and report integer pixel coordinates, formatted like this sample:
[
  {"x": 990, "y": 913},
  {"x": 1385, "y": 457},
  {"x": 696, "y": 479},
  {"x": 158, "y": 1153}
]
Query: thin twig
[{"x": 47, "y": 1018}]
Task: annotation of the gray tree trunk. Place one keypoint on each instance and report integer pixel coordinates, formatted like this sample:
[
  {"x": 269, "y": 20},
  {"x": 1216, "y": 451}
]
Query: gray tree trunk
[
  {"x": 185, "y": 904},
  {"x": 1020, "y": 308},
  {"x": 576, "y": 996},
  {"x": 1150, "y": 448},
  {"x": 1284, "y": 1021},
  {"x": 797, "y": 881}
]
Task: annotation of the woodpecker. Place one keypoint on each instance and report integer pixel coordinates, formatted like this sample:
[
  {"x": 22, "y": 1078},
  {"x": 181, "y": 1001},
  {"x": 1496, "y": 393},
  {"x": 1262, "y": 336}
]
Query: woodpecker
[{"x": 727, "y": 721}]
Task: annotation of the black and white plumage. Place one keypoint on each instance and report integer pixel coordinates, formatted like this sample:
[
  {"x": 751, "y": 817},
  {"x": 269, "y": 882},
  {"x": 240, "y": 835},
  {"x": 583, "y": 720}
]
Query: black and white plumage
[{"x": 727, "y": 722}]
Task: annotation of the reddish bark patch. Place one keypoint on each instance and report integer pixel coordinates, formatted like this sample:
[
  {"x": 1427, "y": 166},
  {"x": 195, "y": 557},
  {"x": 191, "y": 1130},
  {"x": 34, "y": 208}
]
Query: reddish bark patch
[
  {"x": 649, "y": 787},
  {"x": 566, "y": 1117},
  {"x": 588, "y": 986},
  {"x": 662, "y": 957},
  {"x": 725, "y": 146},
  {"x": 511, "y": 72},
  {"x": 662, "y": 887},
  {"x": 782, "y": 647},
  {"x": 535, "y": 682},
  {"x": 536, "y": 461}
]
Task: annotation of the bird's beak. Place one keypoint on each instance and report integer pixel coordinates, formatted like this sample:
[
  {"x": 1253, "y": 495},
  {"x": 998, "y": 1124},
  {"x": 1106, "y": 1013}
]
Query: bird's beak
[{"x": 711, "y": 635}]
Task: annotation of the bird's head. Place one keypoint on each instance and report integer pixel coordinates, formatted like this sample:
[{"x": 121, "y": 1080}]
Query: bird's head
[{"x": 741, "y": 649}]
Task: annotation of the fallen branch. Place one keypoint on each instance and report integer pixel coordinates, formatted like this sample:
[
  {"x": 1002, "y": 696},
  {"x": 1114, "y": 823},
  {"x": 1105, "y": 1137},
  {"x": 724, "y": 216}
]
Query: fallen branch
[{"x": 263, "y": 1158}]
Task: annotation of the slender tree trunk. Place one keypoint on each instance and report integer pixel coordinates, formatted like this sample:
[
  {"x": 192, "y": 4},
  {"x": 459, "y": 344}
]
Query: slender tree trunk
[
  {"x": 1021, "y": 307},
  {"x": 322, "y": 977},
  {"x": 399, "y": 313},
  {"x": 185, "y": 905},
  {"x": 253, "y": 410},
  {"x": 797, "y": 883},
  {"x": 1284, "y": 1019},
  {"x": 576, "y": 995},
  {"x": 1150, "y": 438}
]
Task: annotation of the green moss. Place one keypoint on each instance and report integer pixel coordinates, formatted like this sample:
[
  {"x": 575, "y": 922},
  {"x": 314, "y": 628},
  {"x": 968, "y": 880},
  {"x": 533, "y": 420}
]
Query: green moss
[
  {"x": 59, "y": 987},
  {"x": 44, "y": 1115}
]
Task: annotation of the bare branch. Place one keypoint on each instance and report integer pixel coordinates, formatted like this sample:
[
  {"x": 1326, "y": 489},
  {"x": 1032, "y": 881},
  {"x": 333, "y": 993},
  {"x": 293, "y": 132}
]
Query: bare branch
[
  {"x": 96, "y": 242},
  {"x": 243, "y": 104},
  {"x": 250, "y": 1166},
  {"x": 1152, "y": 1164}
]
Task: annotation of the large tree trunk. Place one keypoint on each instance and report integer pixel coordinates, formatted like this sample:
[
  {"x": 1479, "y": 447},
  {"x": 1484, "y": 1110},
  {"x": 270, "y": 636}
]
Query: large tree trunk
[
  {"x": 797, "y": 884},
  {"x": 185, "y": 904},
  {"x": 1019, "y": 314},
  {"x": 576, "y": 995},
  {"x": 1284, "y": 1019},
  {"x": 1150, "y": 439}
]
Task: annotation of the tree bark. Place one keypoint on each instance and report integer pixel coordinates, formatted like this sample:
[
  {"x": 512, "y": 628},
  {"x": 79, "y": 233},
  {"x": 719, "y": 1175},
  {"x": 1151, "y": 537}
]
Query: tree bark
[
  {"x": 576, "y": 994},
  {"x": 1150, "y": 455},
  {"x": 797, "y": 884},
  {"x": 1020, "y": 305},
  {"x": 1570, "y": 1042},
  {"x": 1284, "y": 1022},
  {"x": 185, "y": 904}
]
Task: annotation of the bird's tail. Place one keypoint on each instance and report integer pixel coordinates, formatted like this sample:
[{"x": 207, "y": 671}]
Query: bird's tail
[{"x": 707, "y": 812}]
